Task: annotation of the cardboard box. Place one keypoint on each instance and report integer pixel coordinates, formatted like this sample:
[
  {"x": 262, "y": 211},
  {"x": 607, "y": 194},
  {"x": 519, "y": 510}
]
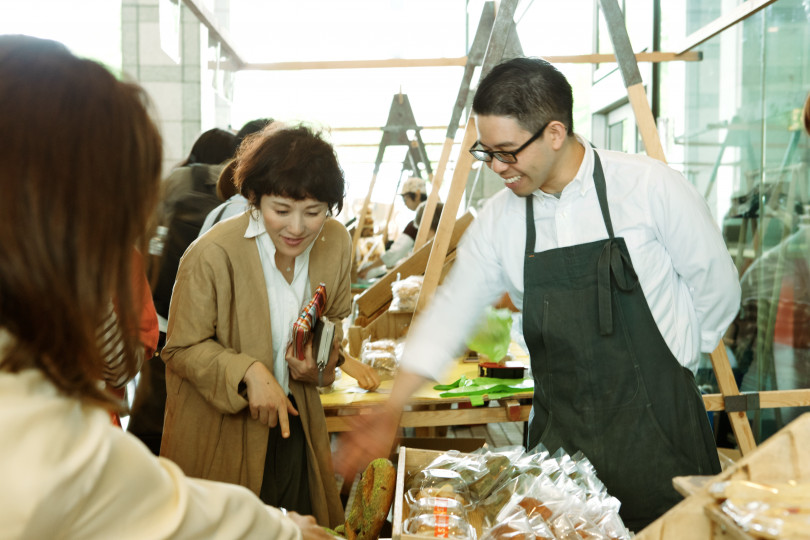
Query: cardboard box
[{"x": 782, "y": 458}]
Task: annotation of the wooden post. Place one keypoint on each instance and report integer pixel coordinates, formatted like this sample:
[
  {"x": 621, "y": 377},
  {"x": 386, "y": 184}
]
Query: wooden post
[
  {"x": 441, "y": 241},
  {"x": 433, "y": 197},
  {"x": 361, "y": 217},
  {"x": 728, "y": 387},
  {"x": 475, "y": 57},
  {"x": 502, "y": 37}
]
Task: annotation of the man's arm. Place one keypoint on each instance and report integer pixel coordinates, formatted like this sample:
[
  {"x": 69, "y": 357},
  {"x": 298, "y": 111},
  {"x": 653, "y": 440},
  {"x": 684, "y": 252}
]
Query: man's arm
[{"x": 699, "y": 255}]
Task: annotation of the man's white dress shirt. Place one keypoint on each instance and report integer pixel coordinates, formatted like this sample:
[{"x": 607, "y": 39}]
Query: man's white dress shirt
[{"x": 683, "y": 265}]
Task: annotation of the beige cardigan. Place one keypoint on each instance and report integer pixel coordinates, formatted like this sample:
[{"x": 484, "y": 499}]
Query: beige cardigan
[{"x": 219, "y": 324}]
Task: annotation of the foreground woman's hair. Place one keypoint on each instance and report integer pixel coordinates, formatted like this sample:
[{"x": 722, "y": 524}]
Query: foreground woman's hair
[{"x": 80, "y": 169}]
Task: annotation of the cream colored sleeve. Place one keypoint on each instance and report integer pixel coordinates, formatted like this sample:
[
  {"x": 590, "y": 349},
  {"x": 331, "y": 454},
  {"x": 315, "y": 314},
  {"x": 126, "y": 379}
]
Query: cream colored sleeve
[{"x": 132, "y": 494}]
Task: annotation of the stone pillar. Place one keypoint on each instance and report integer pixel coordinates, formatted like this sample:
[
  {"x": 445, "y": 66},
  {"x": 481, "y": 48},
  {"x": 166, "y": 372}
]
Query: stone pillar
[{"x": 174, "y": 74}]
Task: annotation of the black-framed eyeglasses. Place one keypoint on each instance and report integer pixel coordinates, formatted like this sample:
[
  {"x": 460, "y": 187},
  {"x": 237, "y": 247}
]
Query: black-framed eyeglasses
[{"x": 502, "y": 156}]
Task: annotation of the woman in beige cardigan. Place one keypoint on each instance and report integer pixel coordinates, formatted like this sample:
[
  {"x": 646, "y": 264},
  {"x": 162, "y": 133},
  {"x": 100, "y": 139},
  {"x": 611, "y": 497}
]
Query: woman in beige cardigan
[{"x": 240, "y": 407}]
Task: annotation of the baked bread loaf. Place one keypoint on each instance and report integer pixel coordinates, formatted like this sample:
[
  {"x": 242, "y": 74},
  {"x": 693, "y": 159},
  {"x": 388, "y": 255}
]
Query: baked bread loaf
[{"x": 372, "y": 501}]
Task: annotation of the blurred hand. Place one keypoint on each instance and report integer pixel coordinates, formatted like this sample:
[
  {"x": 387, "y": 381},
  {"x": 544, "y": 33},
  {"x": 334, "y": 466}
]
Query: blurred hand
[
  {"x": 371, "y": 436},
  {"x": 310, "y": 530},
  {"x": 267, "y": 401},
  {"x": 366, "y": 376}
]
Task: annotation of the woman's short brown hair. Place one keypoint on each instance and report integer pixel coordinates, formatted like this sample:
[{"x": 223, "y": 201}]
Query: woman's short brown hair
[
  {"x": 293, "y": 162},
  {"x": 81, "y": 167}
]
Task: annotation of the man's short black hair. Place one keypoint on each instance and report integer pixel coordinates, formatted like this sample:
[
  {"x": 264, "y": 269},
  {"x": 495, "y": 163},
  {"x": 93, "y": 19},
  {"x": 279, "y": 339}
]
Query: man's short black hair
[{"x": 530, "y": 90}]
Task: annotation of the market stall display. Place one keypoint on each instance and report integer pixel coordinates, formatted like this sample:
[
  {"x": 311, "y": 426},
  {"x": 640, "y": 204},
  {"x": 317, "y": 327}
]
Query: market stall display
[
  {"x": 502, "y": 493},
  {"x": 347, "y": 399}
]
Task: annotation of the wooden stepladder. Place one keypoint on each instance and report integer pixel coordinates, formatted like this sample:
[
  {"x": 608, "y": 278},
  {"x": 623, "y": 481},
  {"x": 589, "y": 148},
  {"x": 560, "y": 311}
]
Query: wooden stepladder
[
  {"x": 502, "y": 39},
  {"x": 510, "y": 48},
  {"x": 395, "y": 133}
]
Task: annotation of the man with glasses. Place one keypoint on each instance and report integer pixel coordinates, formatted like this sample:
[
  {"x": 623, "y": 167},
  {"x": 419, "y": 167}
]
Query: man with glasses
[{"x": 622, "y": 278}]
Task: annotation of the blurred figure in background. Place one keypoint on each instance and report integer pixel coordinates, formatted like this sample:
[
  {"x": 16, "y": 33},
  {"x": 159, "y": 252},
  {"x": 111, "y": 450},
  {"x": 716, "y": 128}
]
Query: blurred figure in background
[{"x": 233, "y": 201}]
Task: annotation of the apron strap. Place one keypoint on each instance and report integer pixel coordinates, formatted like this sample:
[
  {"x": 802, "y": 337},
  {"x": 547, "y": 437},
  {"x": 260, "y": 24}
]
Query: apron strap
[
  {"x": 530, "y": 232},
  {"x": 611, "y": 261},
  {"x": 601, "y": 192}
]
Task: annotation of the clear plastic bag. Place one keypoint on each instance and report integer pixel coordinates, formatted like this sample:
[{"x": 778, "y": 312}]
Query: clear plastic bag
[
  {"x": 494, "y": 335},
  {"x": 383, "y": 355},
  {"x": 405, "y": 293},
  {"x": 440, "y": 526},
  {"x": 442, "y": 483},
  {"x": 419, "y": 503}
]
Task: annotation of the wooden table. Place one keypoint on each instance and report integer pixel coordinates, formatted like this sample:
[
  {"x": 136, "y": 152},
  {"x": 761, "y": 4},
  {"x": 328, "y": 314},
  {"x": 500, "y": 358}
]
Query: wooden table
[{"x": 426, "y": 408}]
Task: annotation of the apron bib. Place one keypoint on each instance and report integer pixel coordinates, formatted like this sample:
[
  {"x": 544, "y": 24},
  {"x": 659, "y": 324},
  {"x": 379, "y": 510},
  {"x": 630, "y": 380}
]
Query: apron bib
[{"x": 606, "y": 382}]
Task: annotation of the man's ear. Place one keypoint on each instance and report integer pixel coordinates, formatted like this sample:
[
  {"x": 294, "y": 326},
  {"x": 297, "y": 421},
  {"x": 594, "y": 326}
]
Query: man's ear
[{"x": 558, "y": 133}]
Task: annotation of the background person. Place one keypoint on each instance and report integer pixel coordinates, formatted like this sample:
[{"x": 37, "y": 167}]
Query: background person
[
  {"x": 622, "y": 277},
  {"x": 240, "y": 407},
  {"x": 66, "y": 471},
  {"x": 413, "y": 194},
  {"x": 233, "y": 202},
  {"x": 397, "y": 251}
]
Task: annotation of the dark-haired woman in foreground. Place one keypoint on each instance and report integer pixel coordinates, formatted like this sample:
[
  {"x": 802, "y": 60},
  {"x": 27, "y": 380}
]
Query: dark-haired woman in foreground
[
  {"x": 73, "y": 204},
  {"x": 240, "y": 407}
]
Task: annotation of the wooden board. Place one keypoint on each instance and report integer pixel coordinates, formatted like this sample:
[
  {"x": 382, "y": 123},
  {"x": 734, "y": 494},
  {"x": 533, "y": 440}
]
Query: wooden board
[
  {"x": 727, "y": 527},
  {"x": 375, "y": 300},
  {"x": 347, "y": 399},
  {"x": 782, "y": 458},
  {"x": 391, "y": 324}
]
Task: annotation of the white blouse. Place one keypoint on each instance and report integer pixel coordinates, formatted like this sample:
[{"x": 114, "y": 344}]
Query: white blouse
[{"x": 286, "y": 299}]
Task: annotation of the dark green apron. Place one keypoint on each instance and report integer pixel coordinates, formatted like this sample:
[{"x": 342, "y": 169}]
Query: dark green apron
[{"x": 605, "y": 381}]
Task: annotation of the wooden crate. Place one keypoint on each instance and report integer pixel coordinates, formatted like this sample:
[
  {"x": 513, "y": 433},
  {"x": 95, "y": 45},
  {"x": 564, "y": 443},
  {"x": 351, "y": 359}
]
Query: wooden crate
[
  {"x": 782, "y": 458},
  {"x": 413, "y": 460},
  {"x": 390, "y": 325}
]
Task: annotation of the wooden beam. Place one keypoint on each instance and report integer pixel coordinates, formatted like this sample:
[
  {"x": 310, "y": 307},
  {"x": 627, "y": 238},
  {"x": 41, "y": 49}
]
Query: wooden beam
[
  {"x": 640, "y": 57},
  {"x": 739, "y": 13},
  {"x": 768, "y": 399},
  {"x": 209, "y": 20},
  {"x": 363, "y": 145},
  {"x": 358, "y": 64},
  {"x": 445, "y": 417},
  {"x": 379, "y": 128},
  {"x": 645, "y": 121},
  {"x": 460, "y": 61}
]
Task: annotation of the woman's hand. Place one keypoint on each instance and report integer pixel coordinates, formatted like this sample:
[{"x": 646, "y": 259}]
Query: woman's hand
[
  {"x": 310, "y": 530},
  {"x": 305, "y": 370},
  {"x": 366, "y": 376},
  {"x": 268, "y": 403}
]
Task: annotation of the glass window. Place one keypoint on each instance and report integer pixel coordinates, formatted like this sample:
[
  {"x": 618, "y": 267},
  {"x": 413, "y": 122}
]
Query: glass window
[{"x": 743, "y": 148}]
